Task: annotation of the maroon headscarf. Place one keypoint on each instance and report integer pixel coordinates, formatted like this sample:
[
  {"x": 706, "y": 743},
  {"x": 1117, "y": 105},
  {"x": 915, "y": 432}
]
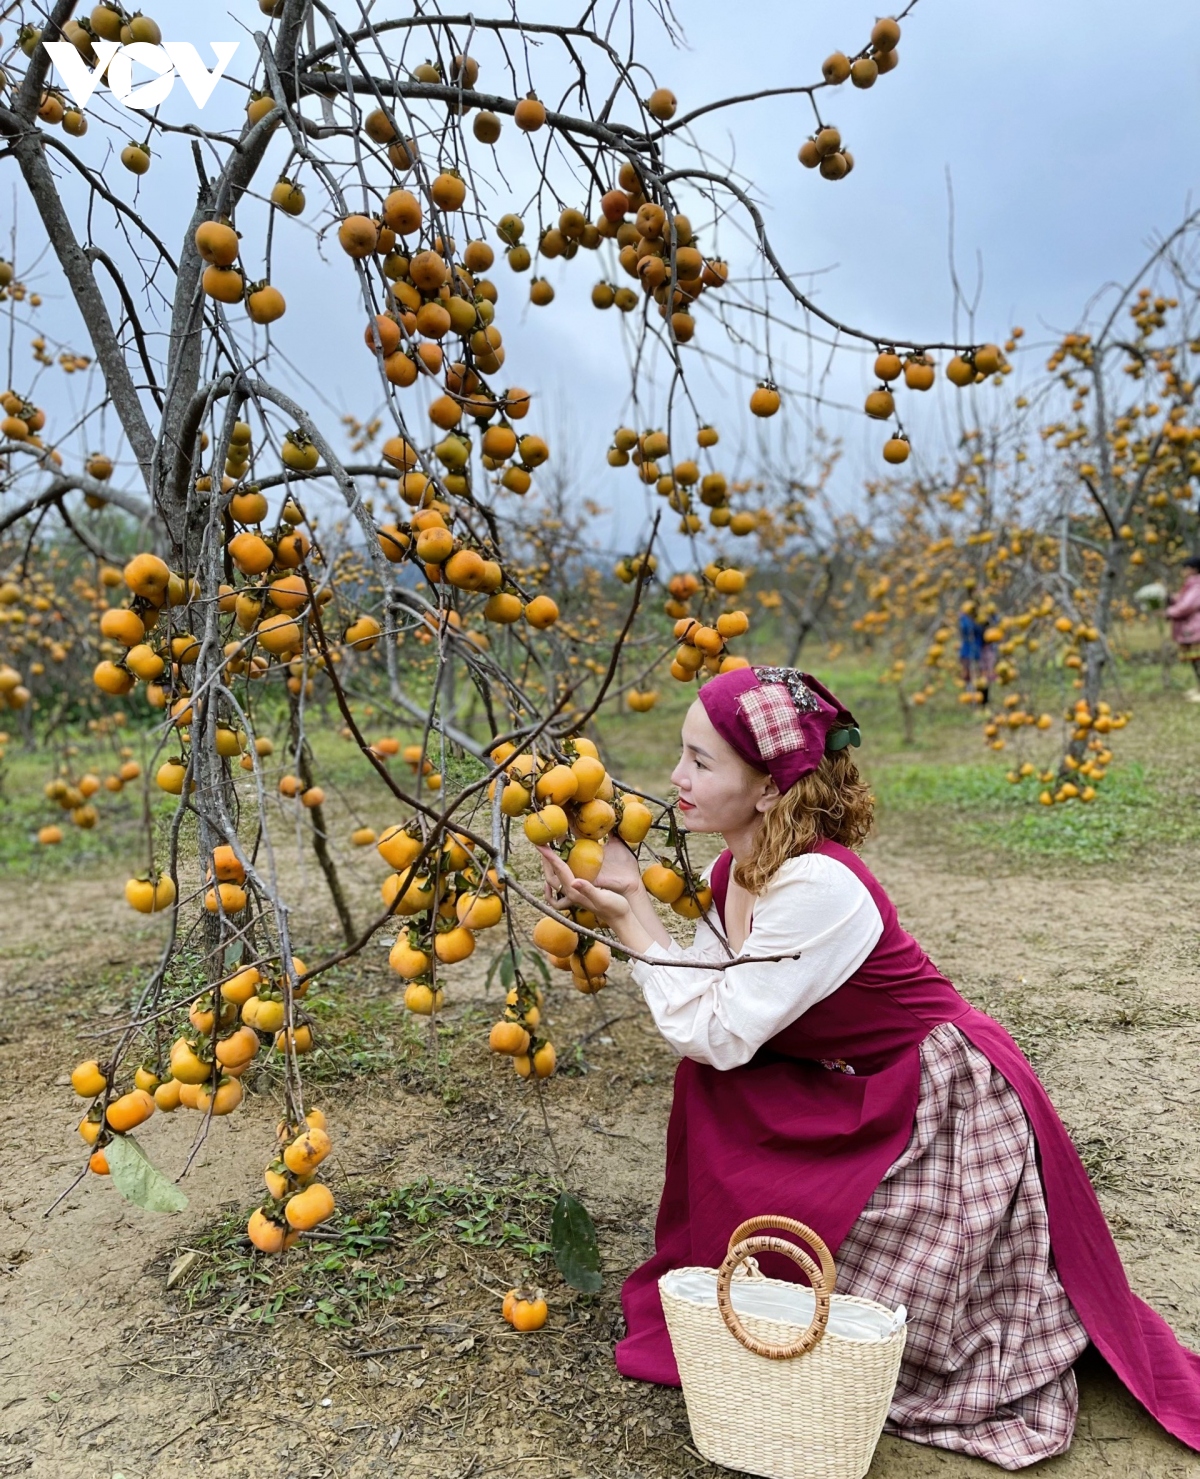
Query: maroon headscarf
[{"x": 777, "y": 719}]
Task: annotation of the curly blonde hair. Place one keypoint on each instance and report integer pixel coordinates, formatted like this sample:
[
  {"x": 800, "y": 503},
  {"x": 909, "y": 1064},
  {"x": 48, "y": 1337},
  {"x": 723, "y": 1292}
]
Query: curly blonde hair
[{"x": 831, "y": 802}]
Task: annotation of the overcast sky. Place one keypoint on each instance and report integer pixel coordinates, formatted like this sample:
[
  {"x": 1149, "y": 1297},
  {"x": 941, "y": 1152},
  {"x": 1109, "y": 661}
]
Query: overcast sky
[{"x": 1069, "y": 133}]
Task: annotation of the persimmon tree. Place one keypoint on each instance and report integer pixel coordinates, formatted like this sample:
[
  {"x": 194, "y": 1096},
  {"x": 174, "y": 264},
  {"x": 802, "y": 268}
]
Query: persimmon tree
[
  {"x": 1054, "y": 510},
  {"x": 436, "y": 160},
  {"x": 1125, "y": 445}
]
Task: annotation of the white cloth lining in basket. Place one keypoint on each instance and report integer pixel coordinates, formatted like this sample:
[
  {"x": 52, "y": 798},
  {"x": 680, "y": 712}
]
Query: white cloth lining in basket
[{"x": 791, "y": 1303}]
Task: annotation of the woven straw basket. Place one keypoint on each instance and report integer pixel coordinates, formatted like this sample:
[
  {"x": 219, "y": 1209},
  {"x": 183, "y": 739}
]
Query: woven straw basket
[{"x": 779, "y": 1380}]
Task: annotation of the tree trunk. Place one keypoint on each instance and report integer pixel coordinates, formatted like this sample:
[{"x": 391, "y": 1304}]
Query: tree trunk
[
  {"x": 818, "y": 594},
  {"x": 906, "y": 717},
  {"x": 1098, "y": 652}
]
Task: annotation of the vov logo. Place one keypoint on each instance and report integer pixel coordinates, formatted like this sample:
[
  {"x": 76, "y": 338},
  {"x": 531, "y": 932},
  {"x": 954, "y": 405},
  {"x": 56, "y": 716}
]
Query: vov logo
[{"x": 164, "y": 61}]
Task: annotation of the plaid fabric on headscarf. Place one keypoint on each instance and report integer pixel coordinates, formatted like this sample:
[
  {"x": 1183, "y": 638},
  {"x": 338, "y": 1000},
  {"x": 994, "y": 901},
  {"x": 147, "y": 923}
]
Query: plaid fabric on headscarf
[{"x": 773, "y": 719}]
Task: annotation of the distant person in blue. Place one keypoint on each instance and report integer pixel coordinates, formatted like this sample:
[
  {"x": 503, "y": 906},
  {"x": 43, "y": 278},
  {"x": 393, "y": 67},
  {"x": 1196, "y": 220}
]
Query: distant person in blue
[{"x": 977, "y": 656}]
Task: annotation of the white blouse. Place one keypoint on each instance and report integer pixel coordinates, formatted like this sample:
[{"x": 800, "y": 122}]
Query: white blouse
[{"x": 814, "y": 907}]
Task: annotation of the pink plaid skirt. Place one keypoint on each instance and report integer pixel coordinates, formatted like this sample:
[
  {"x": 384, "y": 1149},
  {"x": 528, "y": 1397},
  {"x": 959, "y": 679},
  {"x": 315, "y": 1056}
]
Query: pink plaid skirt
[{"x": 957, "y": 1231}]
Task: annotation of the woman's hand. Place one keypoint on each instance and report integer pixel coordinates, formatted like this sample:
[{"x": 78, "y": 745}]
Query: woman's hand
[
  {"x": 609, "y": 904},
  {"x": 619, "y": 872}
]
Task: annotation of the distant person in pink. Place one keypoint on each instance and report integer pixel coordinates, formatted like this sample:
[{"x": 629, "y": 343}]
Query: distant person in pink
[
  {"x": 836, "y": 1076},
  {"x": 1184, "y": 615}
]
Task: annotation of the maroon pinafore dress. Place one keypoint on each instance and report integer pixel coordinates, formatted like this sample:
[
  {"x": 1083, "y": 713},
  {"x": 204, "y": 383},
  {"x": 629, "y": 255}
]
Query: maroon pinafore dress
[{"x": 794, "y": 1132}]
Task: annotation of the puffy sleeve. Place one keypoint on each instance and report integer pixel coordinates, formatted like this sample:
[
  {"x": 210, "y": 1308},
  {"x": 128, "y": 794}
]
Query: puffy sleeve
[{"x": 814, "y": 908}]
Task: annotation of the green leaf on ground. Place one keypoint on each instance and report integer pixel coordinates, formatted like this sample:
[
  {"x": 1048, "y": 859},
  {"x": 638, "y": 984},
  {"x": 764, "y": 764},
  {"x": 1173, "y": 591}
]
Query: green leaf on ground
[
  {"x": 138, "y": 1180},
  {"x": 573, "y": 1238}
]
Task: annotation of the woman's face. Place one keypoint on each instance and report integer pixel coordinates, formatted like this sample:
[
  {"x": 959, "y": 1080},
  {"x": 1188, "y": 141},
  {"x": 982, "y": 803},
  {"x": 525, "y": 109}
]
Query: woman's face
[{"x": 718, "y": 791}]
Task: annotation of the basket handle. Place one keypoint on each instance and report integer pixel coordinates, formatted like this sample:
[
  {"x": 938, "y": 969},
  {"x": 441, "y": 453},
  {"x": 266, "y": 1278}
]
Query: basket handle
[
  {"x": 822, "y": 1278},
  {"x": 798, "y": 1230}
]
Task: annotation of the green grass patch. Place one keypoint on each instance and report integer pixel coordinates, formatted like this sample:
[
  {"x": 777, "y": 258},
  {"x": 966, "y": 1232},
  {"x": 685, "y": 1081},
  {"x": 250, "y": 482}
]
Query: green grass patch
[
  {"x": 514, "y": 1215},
  {"x": 374, "y": 1252},
  {"x": 975, "y": 805},
  {"x": 24, "y": 809},
  {"x": 365, "y": 1036},
  {"x": 362, "y": 1030}
]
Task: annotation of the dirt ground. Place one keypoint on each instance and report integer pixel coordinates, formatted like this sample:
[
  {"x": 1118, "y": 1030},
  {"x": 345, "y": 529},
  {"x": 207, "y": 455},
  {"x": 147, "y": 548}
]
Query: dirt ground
[{"x": 105, "y": 1372}]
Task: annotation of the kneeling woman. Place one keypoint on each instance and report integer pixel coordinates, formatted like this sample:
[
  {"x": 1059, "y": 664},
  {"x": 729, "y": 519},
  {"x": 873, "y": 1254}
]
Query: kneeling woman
[{"x": 837, "y": 1077}]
